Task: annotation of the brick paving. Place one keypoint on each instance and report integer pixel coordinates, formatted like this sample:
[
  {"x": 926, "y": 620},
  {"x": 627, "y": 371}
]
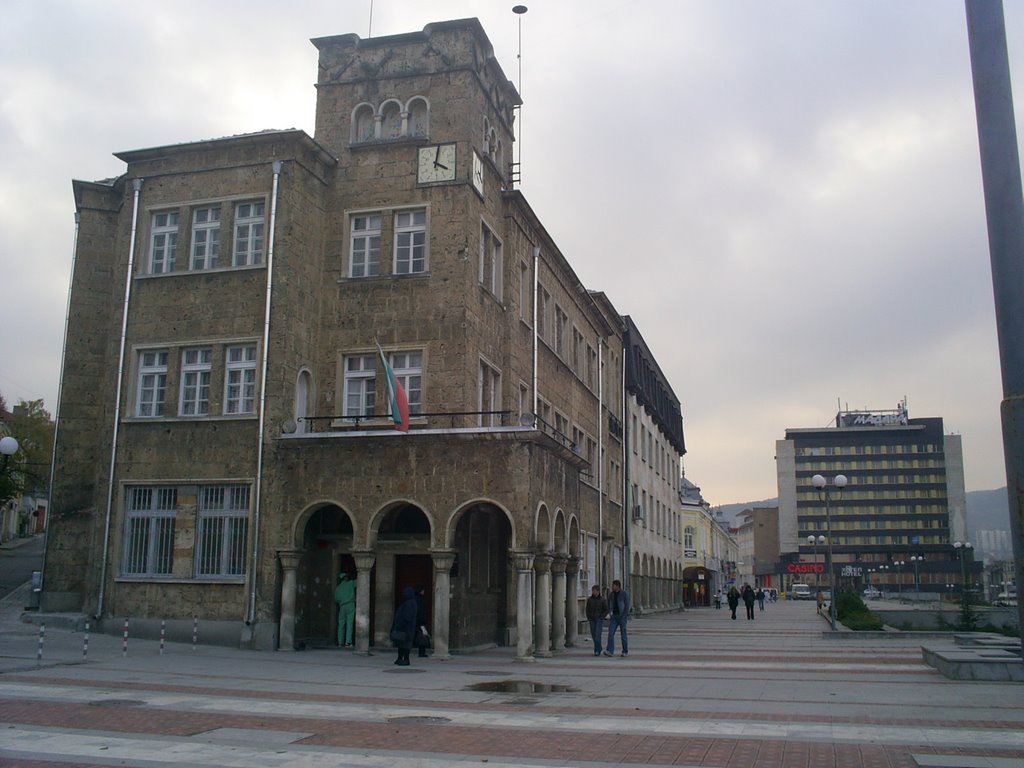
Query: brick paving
[{"x": 696, "y": 691}]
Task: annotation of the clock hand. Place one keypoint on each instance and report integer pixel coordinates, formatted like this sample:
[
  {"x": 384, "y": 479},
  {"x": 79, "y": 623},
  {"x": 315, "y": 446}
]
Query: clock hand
[
  {"x": 440, "y": 165},
  {"x": 437, "y": 157}
]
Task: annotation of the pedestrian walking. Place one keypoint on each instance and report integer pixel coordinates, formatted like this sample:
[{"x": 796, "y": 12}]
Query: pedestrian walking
[
  {"x": 618, "y": 612},
  {"x": 759, "y": 595},
  {"x": 597, "y": 609},
  {"x": 421, "y": 639},
  {"x": 718, "y": 600},
  {"x": 748, "y": 601},
  {"x": 733, "y": 598},
  {"x": 403, "y": 628},
  {"x": 345, "y": 597},
  {"x": 820, "y": 600}
]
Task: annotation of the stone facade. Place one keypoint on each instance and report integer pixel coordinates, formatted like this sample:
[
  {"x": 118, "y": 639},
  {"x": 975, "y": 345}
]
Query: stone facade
[{"x": 233, "y": 305}]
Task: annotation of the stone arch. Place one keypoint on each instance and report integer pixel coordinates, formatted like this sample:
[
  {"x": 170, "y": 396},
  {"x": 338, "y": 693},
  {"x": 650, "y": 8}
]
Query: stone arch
[
  {"x": 398, "y": 516},
  {"x": 334, "y": 524},
  {"x": 456, "y": 516},
  {"x": 575, "y": 540},
  {"x": 418, "y": 109},
  {"x": 363, "y": 123},
  {"x": 482, "y": 608},
  {"x": 560, "y": 541},
  {"x": 390, "y": 119},
  {"x": 542, "y": 532}
]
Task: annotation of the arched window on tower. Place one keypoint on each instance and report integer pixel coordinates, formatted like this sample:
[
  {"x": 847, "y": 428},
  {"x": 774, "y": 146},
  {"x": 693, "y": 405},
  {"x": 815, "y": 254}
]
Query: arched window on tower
[
  {"x": 362, "y": 124},
  {"x": 391, "y": 120},
  {"x": 419, "y": 117}
]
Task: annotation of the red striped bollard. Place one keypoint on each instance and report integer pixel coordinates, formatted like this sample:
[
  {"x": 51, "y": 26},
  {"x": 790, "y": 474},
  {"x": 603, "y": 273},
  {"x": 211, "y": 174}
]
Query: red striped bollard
[
  {"x": 39, "y": 653},
  {"x": 195, "y": 632},
  {"x": 124, "y": 644},
  {"x": 85, "y": 641},
  {"x": 163, "y": 627}
]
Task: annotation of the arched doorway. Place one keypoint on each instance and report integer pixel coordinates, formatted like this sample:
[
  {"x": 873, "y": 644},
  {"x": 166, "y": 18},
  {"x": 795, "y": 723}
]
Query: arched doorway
[
  {"x": 403, "y": 540},
  {"x": 480, "y": 609},
  {"x": 327, "y": 533}
]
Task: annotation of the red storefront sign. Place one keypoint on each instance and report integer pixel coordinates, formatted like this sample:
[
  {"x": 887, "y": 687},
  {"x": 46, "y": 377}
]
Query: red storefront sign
[{"x": 805, "y": 568}]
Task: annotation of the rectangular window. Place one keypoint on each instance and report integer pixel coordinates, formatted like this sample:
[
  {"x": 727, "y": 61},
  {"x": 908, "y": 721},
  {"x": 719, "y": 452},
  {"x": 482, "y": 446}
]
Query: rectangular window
[
  {"x": 360, "y": 385},
  {"x": 205, "y": 237},
  {"x": 408, "y": 368},
  {"x": 248, "y": 234},
  {"x": 543, "y": 303},
  {"x": 221, "y": 530},
  {"x": 490, "y": 261},
  {"x": 490, "y": 395},
  {"x": 525, "y": 291},
  {"x": 410, "y": 242},
  {"x": 240, "y": 380},
  {"x": 196, "y": 365},
  {"x": 561, "y": 323},
  {"x": 163, "y": 244},
  {"x": 364, "y": 245},
  {"x": 591, "y": 561},
  {"x": 149, "y": 531},
  {"x": 152, "y": 383}
]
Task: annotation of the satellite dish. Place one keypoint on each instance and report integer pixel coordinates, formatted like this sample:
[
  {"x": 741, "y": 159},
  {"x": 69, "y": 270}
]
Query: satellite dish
[
  {"x": 527, "y": 420},
  {"x": 289, "y": 426}
]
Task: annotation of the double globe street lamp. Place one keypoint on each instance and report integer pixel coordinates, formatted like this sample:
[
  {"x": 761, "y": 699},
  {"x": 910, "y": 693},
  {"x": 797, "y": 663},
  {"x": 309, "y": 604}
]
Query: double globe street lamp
[
  {"x": 917, "y": 560},
  {"x": 815, "y": 542},
  {"x": 825, "y": 492}
]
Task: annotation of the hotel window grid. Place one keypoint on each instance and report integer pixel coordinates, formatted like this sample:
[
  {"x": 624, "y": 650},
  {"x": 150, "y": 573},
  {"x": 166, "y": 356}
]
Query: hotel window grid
[
  {"x": 240, "y": 380},
  {"x": 205, "y": 237},
  {"x": 490, "y": 261},
  {"x": 360, "y": 385},
  {"x": 490, "y": 395},
  {"x": 364, "y": 245},
  {"x": 149, "y": 531},
  {"x": 152, "y": 383},
  {"x": 410, "y": 242},
  {"x": 163, "y": 242},
  {"x": 248, "y": 234},
  {"x": 408, "y": 368},
  {"x": 196, "y": 366},
  {"x": 222, "y": 528}
]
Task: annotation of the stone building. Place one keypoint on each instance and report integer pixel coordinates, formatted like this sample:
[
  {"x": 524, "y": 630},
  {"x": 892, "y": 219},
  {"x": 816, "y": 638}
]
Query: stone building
[{"x": 238, "y": 308}]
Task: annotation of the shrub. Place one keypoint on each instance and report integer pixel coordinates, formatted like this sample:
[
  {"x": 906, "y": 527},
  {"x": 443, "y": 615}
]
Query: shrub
[
  {"x": 865, "y": 621},
  {"x": 849, "y": 603}
]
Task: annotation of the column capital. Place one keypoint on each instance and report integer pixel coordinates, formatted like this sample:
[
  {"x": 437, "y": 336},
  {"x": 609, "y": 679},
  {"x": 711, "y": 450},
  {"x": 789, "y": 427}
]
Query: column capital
[
  {"x": 572, "y": 564},
  {"x": 364, "y": 559},
  {"x": 559, "y": 563},
  {"x": 443, "y": 559},
  {"x": 542, "y": 561},
  {"x": 522, "y": 561},
  {"x": 290, "y": 557}
]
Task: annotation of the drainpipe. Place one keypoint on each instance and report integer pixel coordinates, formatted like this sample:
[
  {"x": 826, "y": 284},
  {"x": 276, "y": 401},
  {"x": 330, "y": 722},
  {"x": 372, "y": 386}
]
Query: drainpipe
[
  {"x": 60, "y": 391},
  {"x": 627, "y": 513},
  {"x": 129, "y": 275},
  {"x": 257, "y": 494},
  {"x": 600, "y": 448},
  {"x": 536, "y": 288}
]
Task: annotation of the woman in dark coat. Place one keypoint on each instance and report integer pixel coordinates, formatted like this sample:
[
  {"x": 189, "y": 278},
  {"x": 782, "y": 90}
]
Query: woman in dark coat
[
  {"x": 422, "y": 637},
  {"x": 405, "y": 622},
  {"x": 733, "y": 597},
  {"x": 748, "y": 600}
]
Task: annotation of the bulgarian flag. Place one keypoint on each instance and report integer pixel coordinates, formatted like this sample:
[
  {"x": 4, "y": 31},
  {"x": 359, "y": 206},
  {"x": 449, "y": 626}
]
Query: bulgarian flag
[{"x": 398, "y": 401}]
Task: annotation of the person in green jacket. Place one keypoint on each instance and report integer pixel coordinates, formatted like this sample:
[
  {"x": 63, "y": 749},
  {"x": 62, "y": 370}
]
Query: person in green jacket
[{"x": 345, "y": 597}]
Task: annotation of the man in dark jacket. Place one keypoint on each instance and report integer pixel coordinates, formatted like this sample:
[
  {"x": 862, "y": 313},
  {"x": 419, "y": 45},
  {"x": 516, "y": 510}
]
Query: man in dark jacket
[
  {"x": 748, "y": 600},
  {"x": 403, "y": 628},
  {"x": 618, "y": 610},
  {"x": 597, "y": 609}
]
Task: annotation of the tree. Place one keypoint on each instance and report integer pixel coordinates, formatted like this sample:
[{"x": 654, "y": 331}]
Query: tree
[{"x": 28, "y": 470}]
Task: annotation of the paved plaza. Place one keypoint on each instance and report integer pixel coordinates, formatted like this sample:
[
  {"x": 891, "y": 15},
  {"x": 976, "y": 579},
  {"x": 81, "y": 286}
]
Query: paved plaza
[{"x": 697, "y": 689}]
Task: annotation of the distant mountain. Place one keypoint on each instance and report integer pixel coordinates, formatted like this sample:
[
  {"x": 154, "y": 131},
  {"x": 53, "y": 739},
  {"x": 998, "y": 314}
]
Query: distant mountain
[{"x": 986, "y": 510}]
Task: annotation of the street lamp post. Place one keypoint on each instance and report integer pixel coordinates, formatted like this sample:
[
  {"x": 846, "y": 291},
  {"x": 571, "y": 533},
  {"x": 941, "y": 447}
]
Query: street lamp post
[
  {"x": 899, "y": 577},
  {"x": 917, "y": 560},
  {"x": 816, "y": 541},
  {"x": 884, "y": 568},
  {"x": 962, "y": 548},
  {"x": 825, "y": 494},
  {"x": 8, "y": 447}
]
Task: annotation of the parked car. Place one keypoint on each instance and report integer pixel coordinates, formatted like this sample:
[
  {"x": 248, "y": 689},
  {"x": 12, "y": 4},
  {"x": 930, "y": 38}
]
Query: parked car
[
  {"x": 1007, "y": 599},
  {"x": 800, "y": 592},
  {"x": 871, "y": 594}
]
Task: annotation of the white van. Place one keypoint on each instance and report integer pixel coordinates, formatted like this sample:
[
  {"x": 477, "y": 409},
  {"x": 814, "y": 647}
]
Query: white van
[{"x": 800, "y": 592}]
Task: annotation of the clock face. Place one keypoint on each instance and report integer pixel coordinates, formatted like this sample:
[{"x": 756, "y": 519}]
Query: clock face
[
  {"x": 478, "y": 173},
  {"x": 435, "y": 163}
]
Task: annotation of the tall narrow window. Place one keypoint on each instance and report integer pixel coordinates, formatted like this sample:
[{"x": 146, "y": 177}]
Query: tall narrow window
[
  {"x": 365, "y": 245},
  {"x": 248, "y": 234},
  {"x": 490, "y": 395},
  {"x": 408, "y": 367},
  {"x": 360, "y": 385},
  {"x": 205, "y": 237},
  {"x": 410, "y": 242},
  {"x": 561, "y": 321},
  {"x": 152, "y": 383},
  {"x": 163, "y": 244},
  {"x": 491, "y": 266},
  {"x": 240, "y": 380},
  {"x": 196, "y": 365},
  {"x": 149, "y": 531},
  {"x": 543, "y": 304},
  {"x": 222, "y": 526},
  {"x": 525, "y": 291}
]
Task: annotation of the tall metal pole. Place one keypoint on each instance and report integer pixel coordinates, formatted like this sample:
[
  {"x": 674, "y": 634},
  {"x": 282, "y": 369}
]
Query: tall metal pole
[{"x": 1004, "y": 209}]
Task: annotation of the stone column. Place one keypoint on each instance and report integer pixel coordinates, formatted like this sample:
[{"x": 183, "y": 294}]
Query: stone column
[
  {"x": 443, "y": 560},
  {"x": 558, "y": 602},
  {"x": 364, "y": 562},
  {"x": 286, "y": 625},
  {"x": 542, "y": 567},
  {"x": 572, "y": 577},
  {"x": 523, "y": 563}
]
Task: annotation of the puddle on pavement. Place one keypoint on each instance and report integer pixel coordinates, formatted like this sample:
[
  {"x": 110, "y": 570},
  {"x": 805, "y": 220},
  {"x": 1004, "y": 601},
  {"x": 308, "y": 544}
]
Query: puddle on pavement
[{"x": 520, "y": 687}]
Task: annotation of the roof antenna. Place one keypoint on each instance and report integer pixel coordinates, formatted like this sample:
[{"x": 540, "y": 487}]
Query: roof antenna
[
  {"x": 369, "y": 30},
  {"x": 519, "y": 10}
]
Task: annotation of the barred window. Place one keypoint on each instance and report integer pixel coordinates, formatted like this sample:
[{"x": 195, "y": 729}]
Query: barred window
[
  {"x": 149, "y": 531},
  {"x": 222, "y": 530}
]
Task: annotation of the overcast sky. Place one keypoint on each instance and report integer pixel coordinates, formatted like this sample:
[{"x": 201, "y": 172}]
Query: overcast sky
[{"x": 786, "y": 196}]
